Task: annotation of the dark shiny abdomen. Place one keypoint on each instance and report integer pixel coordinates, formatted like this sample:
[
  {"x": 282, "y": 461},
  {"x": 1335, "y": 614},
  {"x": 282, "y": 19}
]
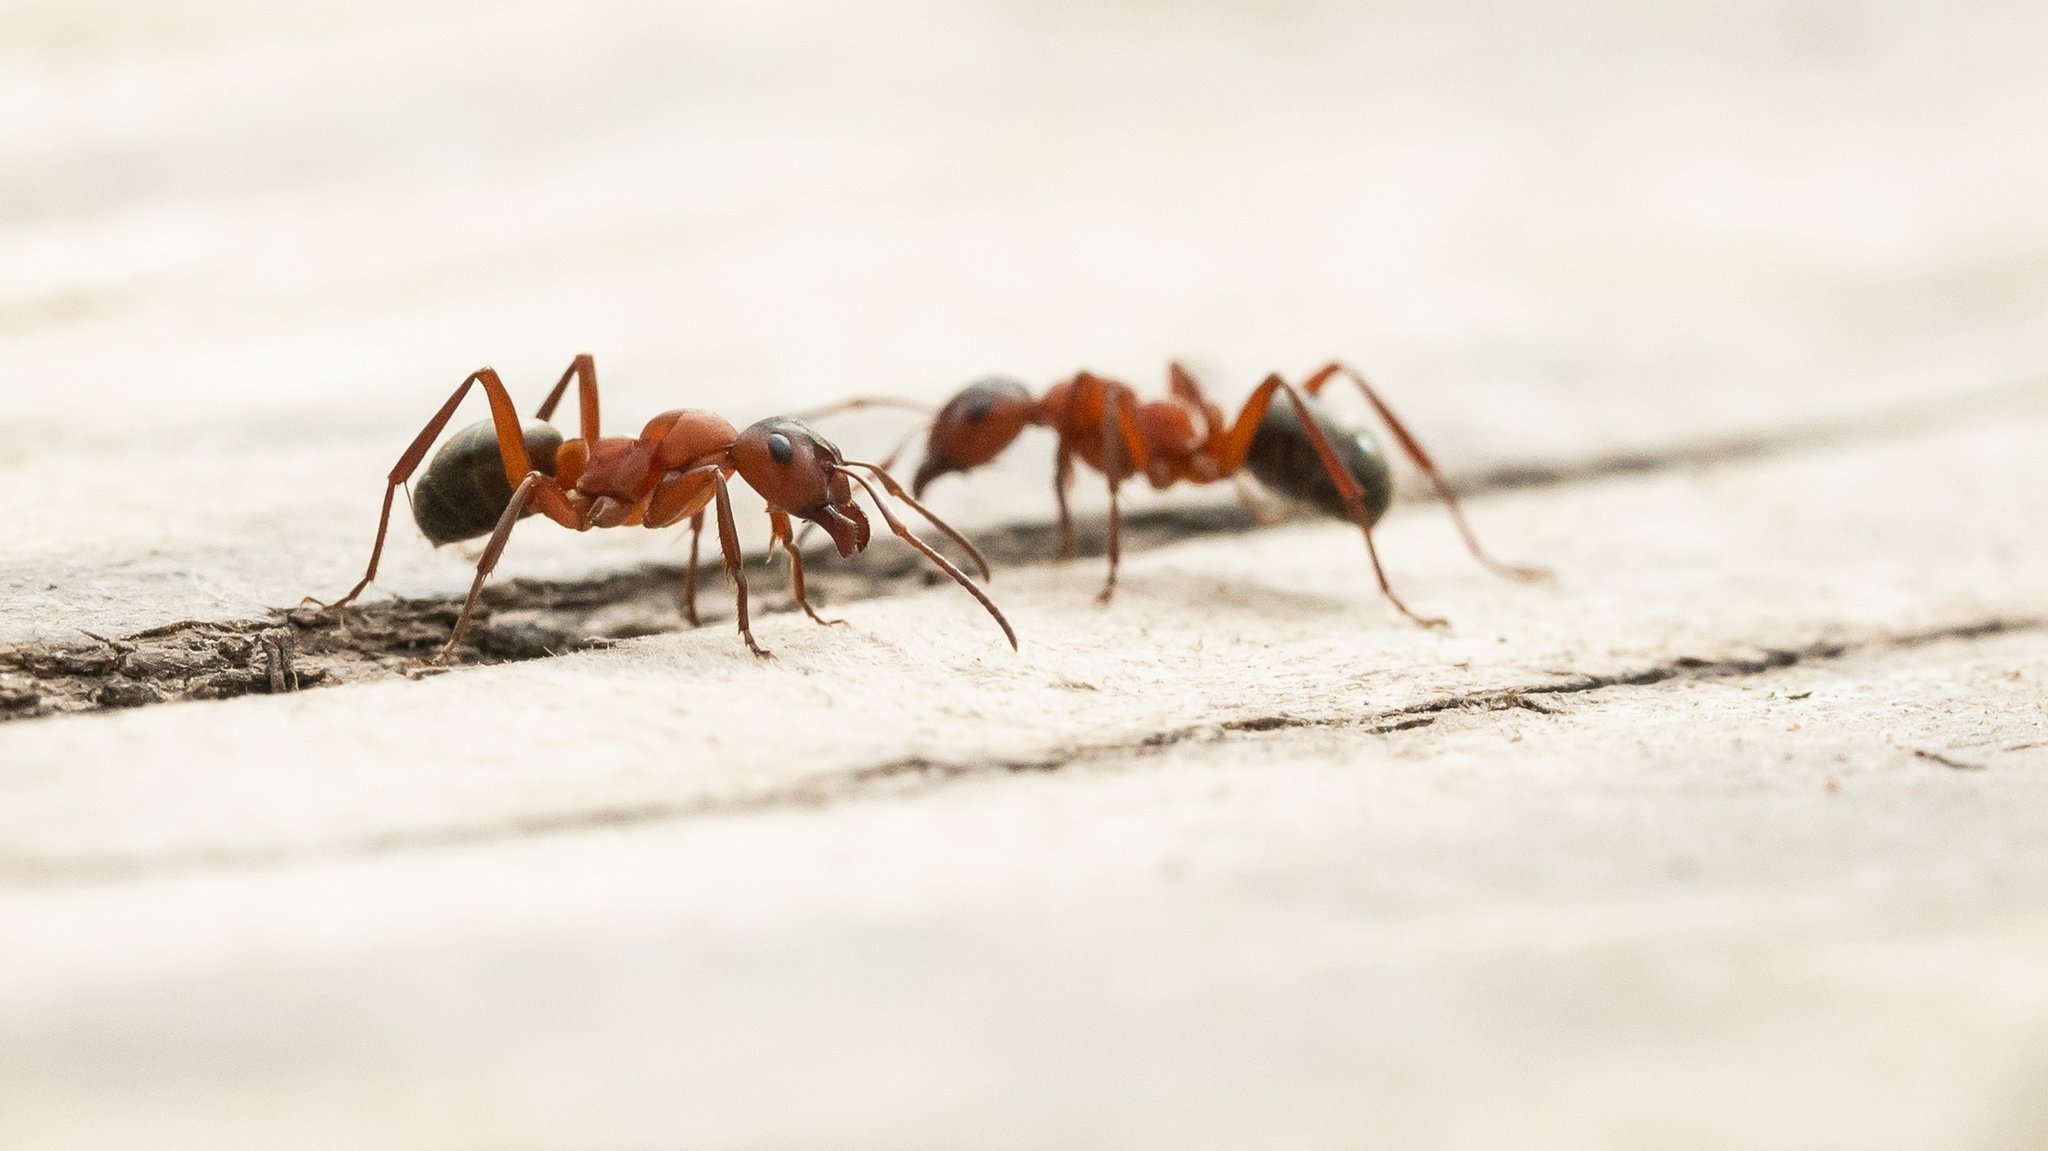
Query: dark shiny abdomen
[
  {"x": 463, "y": 491},
  {"x": 1284, "y": 460}
]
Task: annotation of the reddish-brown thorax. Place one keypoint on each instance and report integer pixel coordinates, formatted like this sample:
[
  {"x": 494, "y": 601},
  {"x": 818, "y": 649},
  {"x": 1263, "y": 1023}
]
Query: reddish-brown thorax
[
  {"x": 1175, "y": 450},
  {"x": 620, "y": 481}
]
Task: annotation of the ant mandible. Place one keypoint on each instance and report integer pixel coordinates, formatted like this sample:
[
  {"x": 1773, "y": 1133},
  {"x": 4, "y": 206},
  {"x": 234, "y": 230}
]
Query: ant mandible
[
  {"x": 489, "y": 476},
  {"x": 1294, "y": 448}
]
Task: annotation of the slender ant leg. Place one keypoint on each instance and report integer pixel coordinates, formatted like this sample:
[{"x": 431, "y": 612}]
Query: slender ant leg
[
  {"x": 1230, "y": 458},
  {"x": 862, "y": 403},
  {"x": 729, "y": 553},
  {"x": 729, "y": 548},
  {"x": 1119, "y": 429},
  {"x": 583, "y": 370},
  {"x": 511, "y": 446},
  {"x": 778, "y": 522},
  {"x": 1189, "y": 393},
  {"x": 1116, "y": 539},
  {"x": 537, "y": 488},
  {"x": 1062, "y": 480},
  {"x": 690, "y": 573},
  {"x": 1413, "y": 449}
]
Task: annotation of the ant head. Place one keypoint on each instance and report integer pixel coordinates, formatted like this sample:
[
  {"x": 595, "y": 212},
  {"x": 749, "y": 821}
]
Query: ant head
[
  {"x": 796, "y": 469},
  {"x": 974, "y": 426}
]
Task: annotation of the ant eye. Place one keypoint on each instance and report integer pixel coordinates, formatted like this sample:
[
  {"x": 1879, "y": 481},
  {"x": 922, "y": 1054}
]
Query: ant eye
[
  {"x": 979, "y": 405},
  {"x": 780, "y": 447}
]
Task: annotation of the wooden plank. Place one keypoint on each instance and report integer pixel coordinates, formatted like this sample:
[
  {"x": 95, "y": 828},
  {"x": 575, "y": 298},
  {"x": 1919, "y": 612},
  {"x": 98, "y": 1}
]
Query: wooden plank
[
  {"x": 1734, "y": 911},
  {"x": 1795, "y": 555},
  {"x": 1731, "y": 838}
]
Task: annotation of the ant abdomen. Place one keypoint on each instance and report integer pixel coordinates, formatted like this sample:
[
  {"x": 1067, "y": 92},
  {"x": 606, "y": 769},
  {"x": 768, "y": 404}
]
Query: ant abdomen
[
  {"x": 1285, "y": 462},
  {"x": 464, "y": 490}
]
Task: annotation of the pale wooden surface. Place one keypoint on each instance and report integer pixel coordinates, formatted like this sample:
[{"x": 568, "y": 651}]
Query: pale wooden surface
[{"x": 1177, "y": 874}]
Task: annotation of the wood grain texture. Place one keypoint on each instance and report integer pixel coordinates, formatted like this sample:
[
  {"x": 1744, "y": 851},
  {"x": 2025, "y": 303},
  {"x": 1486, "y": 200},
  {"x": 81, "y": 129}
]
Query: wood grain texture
[{"x": 1732, "y": 838}]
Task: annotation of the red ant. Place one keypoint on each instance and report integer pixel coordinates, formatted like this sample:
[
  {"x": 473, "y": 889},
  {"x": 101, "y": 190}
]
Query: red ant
[
  {"x": 489, "y": 476},
  {"x": 1295, "y": 448}
]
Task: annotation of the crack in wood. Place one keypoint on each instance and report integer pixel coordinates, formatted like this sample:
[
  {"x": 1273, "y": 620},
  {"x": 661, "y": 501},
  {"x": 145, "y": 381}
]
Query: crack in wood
[
  {"x": 519, "y": 619},
  {"x": 919, "y": 775},
  {"x": 1945, "y": 761},
  {"x": 290, "y": 649}
]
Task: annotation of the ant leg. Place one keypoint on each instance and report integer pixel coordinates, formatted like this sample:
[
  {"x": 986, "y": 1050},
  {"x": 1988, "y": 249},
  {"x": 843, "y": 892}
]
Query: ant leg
[
  {"x": 1230, "y": 458},
  {"x": 1372, "y": 552},
  {"x": 861, "y": 403},
  {"x": 1184, "y": 388},
  {"x": 1119, "y": 428},
  {"x": 903, "y": 445},
  {"x": 945, "y": 565},
  {"x": 778, "y": 522},
  {"x": 1063, "y": 479},
  {"x": 583, "y": 370},
  {"x": 729, "y": 547},
  {"x": 511, "y": 446},
  {"x": 1116, "y": 532},
  {"x": 537, "y": 488},
  {"x": 1420, "y": 458},
  {"x": 690, "y": 574}
]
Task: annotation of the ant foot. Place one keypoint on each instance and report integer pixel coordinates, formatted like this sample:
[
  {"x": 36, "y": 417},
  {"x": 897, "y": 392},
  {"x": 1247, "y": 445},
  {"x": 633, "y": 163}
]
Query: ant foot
[
  {"x": 417, "y": 668},
  {"x": 821, "y": 620}
]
